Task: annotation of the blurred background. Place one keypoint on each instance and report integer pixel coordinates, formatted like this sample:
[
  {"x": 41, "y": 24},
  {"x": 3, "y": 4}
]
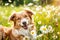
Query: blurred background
[
  {"x": 8, "y": 6},
  {"x": 25, "y": 2},
  {"x": 46, "y": 16}
]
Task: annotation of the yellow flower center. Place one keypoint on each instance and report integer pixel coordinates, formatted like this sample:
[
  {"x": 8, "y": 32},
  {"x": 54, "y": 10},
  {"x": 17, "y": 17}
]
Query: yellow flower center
[
  {"x": 44, "y": 28},
  {"x": 32, "y": 32}
]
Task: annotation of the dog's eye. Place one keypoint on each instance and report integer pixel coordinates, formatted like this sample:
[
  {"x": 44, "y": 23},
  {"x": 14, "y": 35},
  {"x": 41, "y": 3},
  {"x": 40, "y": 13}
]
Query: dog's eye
[
  {"x": 18, "y": 18},
  {"x": 25, "y": 16}
]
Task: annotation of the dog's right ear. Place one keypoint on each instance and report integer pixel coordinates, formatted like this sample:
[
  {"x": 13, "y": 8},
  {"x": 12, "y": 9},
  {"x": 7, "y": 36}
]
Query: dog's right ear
[{"x": 13, "y": 17}]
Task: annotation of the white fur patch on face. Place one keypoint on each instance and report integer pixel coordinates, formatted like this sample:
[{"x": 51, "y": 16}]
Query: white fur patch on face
[{"x": 24, "y": 20}]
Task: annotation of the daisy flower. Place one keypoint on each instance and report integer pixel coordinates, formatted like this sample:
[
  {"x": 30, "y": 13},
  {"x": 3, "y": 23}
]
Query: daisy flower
[
  {"x": 50, "y": 30},
  {"x": 33, "y": 33},
  {"x": 26, "y": 38},
  {"x": 44, "y": 29}
]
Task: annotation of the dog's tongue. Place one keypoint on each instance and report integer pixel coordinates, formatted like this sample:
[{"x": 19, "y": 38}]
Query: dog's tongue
[{"x": 25, "y": 27}]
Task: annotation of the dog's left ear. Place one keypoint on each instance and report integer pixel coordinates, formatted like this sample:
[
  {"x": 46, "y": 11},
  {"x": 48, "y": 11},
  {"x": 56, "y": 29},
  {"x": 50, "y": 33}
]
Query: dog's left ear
[
  {"x": 30, "y": 13},
  {"x": 13, "y": 17}
]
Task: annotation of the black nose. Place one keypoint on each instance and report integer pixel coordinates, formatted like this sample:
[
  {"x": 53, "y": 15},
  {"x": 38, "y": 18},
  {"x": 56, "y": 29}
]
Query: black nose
[{"x": 24, "y": 23}]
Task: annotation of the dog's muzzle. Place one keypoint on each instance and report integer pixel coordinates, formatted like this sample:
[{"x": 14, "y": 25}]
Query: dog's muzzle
[{"x": 24, "y": 23}]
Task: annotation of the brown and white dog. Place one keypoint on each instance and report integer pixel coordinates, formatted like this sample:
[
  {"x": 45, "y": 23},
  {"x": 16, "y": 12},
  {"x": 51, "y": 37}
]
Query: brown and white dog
[{"x": 21, "y": 28}]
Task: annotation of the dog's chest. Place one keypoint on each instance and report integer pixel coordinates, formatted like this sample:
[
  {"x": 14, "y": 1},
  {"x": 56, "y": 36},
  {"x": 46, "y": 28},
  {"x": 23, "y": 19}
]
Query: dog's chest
[{"x": 21, "y": 31}]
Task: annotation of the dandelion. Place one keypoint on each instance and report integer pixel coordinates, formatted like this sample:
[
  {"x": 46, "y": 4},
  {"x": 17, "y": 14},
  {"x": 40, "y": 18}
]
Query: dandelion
[{"x": 44, "y": 29}]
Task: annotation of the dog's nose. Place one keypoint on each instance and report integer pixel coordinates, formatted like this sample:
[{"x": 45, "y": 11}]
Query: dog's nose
[{"x": 24, "y": 23}]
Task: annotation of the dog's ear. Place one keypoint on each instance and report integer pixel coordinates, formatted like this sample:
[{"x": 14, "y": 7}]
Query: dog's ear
[
  {"x": 30, "y": 13},
  {"x": 13, "y": 16}
]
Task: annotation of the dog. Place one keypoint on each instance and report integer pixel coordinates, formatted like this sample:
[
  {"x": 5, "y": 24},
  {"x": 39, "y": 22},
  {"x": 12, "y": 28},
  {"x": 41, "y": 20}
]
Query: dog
[
  {"x": 22, "y": 26},
  {"x": 2, "y": 32}
]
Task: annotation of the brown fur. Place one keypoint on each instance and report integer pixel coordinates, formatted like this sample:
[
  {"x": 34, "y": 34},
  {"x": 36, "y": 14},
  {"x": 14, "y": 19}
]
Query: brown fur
[
  {"x": 2, "y": 33},
  {"x": 16, "y": 18}
]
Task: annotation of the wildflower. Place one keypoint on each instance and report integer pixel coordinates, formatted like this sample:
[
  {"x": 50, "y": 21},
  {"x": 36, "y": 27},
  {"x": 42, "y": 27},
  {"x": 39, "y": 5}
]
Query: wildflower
[
  {"x": 58, "y": 14},
  {"x": 43, "y": 29},
  {"x": 39, "y": 8},
  {"x": 40, "y": 35},
  {"x": 26, "y": 38},
  {"x": 50, "y": 30},
  {"x": 30, "y": 4},
  {"x": 48, "y": 8},
  {"x": 40, "y": 12},
  {"x": 35, "y": 6},
  {"x": 6, "y": 4},
  {"x": 56, "y": 19},
  {"x": 12, "y": 5},
  {"x": 44, "y": 10},
  {"x": 53, "y": 8},
  {"x": 10, "y": 0},
  {"x": 48, "y": 14},
  {"x": 39, "y": 22},
  {"x": 33, "y": 33},
  {"x": 55, "y": 36},
  {"x": 58, "y": 33}
]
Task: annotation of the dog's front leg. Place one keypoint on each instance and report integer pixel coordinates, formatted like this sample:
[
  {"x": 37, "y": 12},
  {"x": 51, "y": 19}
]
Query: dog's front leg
[{"x": 1, "y": 35}]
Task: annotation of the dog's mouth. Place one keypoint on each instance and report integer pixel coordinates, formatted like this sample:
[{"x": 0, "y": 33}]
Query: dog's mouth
[{"x": 25, "y": 27}]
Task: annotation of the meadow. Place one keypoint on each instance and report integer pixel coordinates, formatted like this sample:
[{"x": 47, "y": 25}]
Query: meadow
[{"x": 46, "y": 19}]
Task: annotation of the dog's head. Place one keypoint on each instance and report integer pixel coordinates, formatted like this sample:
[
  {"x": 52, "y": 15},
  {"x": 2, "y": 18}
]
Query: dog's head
[{"x": 22, "y": 19}]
